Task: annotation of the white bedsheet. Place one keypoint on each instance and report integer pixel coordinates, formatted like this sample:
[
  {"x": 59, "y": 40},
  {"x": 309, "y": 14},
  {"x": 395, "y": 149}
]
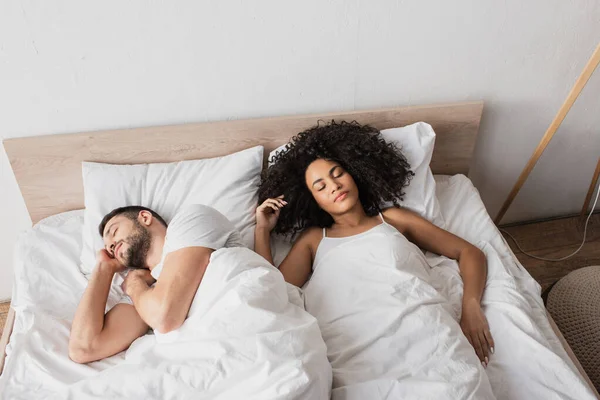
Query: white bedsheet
[{"x": 245, "y": 336}]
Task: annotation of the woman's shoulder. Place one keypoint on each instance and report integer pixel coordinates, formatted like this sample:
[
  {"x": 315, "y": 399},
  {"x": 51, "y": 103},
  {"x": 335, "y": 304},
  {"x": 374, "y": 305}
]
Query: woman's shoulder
[
  {"x": 394, "y": 212},
  {"x": 400, "y": 218},
  {"x": 398, "y": 212},
  {"x": 311, "y": 233},
  {"x": 310, "y": 237}
]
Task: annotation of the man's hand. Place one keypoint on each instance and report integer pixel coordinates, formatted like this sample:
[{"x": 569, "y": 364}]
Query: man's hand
[
  {"x": 475, "y": 327},
  {"x": 94, "y": 335},
  {"x": 108, "y": 263},
  {"x": 135, "y": 278}
]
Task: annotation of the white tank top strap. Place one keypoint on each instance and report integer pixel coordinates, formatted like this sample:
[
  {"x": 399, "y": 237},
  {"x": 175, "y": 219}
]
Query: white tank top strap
[
  {"x": 324, "y": 234},
  {"x": 381, "y": 216}
]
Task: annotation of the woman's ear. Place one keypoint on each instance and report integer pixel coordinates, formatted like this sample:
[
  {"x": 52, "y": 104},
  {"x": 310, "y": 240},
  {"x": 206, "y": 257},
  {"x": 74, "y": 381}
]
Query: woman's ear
[{"x": 145, "y": 217}]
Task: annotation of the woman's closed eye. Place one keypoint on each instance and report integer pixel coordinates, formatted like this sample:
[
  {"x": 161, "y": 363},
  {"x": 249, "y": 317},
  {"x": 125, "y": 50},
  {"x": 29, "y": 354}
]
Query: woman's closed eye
[{"x": 336, "y": 172}]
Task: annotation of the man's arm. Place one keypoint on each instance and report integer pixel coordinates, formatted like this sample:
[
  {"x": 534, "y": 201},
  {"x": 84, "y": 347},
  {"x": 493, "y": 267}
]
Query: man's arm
[
  {"x": 94, "y": 335},
  {"x": 165, "y": 305}
]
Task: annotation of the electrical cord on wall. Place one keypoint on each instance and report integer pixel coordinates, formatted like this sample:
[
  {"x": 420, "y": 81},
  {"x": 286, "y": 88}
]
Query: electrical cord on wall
[{"x": 570, "y": 255}]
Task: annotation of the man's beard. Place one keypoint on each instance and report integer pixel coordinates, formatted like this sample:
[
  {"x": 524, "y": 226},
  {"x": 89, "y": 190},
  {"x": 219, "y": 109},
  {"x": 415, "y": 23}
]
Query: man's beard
[{"x": 139, "y": 246}]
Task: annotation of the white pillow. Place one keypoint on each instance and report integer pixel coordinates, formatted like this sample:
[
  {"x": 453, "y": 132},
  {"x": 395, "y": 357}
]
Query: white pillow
[
  {"x": 229, "y": 184},
  {"x": 416, "y": 143}
]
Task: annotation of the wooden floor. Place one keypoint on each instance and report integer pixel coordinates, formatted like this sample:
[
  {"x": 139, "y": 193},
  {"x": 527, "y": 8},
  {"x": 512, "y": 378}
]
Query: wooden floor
[
  {"x": 549, "y": 239},
  {"x": 556, "y": 239}
]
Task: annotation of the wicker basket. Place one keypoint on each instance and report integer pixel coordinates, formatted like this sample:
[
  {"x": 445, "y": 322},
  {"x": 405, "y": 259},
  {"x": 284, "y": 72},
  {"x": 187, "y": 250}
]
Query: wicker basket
[{"x": 574, "y": 303}]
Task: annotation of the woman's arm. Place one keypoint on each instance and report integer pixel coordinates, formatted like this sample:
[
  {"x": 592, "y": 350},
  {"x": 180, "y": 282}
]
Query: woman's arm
[
  {"x": 297, "y": 265},
  {"x": 262, "y": 243},
  {"x": 472, "y": 265}
]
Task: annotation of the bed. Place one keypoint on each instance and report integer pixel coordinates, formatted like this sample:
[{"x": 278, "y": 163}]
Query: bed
[{"x": 48, "y": 170}]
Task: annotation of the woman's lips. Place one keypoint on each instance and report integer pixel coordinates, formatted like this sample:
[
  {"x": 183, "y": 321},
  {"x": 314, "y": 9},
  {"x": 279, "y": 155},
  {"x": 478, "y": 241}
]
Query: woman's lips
[{"x": 341, "y": 197}]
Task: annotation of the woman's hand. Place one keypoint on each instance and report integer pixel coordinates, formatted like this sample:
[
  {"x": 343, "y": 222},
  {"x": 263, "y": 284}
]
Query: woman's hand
[
  {"x": 475, "y": 327},
  {"x": 268, "y": 213}
]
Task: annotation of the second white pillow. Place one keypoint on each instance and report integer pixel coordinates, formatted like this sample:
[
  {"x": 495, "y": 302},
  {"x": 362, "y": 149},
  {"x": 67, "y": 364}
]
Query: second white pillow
[
  {"x": 416, "y": 142},
  {"x": 228, "y": 184}
]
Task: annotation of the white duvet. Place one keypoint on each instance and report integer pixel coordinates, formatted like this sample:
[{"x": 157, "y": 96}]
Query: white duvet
[
  {"x": 388, "y": 331},
  {"x": 245, "y": 336},
  {"x": 529, "y": 362}
]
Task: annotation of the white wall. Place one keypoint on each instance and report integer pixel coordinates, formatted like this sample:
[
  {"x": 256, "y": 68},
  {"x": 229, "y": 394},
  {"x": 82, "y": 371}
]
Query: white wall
[{"x": 70, "y": 66}]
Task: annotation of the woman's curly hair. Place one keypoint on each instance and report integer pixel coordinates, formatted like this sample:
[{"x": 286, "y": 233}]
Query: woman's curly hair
[{"x": 378, "y": 168}]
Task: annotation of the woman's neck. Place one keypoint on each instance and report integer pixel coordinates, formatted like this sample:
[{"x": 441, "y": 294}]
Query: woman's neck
[{"x": 352, "y": 218}]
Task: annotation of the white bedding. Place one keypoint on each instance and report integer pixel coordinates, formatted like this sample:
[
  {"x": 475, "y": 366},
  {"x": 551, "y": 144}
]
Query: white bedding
[
  {"x": 388, "y": 331},
  {"x": 529, "y": 362},
  {"x": 245, "y": 336}
]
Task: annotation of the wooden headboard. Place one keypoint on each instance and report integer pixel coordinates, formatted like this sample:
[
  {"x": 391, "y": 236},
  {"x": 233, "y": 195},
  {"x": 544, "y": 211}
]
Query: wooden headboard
[{"x": 48, "y": 168}]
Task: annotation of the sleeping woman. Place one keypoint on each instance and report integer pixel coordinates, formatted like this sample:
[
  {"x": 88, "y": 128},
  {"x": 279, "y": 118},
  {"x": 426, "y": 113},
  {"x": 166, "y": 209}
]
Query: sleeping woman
[{"x": 389, "y": 333}]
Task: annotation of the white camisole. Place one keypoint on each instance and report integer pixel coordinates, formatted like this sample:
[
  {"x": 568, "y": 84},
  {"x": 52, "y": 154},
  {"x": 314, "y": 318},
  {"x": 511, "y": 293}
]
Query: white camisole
[{"x": 328, "y": 243}]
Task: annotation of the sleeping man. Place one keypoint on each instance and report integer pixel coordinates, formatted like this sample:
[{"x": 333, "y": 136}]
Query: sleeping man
[
  {"x": 225, "y": 321},
  {"x": 136, "y": 237}
]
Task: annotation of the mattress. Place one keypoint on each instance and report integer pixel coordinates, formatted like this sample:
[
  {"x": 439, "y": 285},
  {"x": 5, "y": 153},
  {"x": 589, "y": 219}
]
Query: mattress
[{"x": 48, "y": 286}]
